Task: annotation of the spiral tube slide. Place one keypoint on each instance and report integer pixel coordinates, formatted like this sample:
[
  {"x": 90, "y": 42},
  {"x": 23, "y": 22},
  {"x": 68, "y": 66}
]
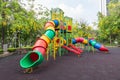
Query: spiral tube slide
[
  {"x": 97, "y": 45},
  {"x": 35, "y": 57},
  {"x": 79, "y": 40},
  {"x": 91, "y": 42}
]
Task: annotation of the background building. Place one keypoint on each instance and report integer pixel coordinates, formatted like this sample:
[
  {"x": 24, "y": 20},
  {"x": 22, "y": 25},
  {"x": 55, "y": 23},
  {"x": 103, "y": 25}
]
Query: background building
[{"x": 104, "y": 9}]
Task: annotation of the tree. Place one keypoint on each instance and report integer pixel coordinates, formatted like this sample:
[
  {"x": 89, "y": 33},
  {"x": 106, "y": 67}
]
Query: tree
[
  {"x": 83, "y": 30},
  {"x": 22, "y": 25},
  {"x": 109, "y": 25}
]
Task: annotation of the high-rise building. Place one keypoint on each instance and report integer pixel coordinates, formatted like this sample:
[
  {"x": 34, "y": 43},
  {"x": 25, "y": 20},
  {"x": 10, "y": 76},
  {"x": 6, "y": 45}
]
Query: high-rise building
[
  {"x": 107, "y": 12},
  {"x": 104, "y": 9},
  {"x": 107, "y": 1}
]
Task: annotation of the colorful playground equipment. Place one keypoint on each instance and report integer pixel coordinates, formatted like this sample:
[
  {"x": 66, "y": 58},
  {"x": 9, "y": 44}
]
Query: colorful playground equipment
[
  {"x": 92, "y": 42},
  {"x": 56, "y": 40},
  {"x": 35, "y": 57}
]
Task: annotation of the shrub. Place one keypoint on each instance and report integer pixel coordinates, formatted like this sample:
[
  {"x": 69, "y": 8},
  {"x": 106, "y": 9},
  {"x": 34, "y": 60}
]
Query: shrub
[
  {"x": 1, "y": 50},
  {"x": 27, "y": 48},
  {"x": 12, "y": 49}
]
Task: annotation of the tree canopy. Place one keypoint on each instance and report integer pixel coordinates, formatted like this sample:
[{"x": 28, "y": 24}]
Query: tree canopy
[
  {"x": 20, "y": 25},
  {"x": 109, "y": 26}
]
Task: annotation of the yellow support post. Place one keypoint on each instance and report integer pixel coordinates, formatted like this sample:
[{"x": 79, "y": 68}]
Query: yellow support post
[
  {"x": 28, "y": 70},
  {"x": 54, "y": 52},
  {"x": 47, "y": 54}
]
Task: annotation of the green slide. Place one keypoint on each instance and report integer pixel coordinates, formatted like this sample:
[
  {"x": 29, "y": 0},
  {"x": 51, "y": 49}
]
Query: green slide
[{"x": 27, "y": 62}]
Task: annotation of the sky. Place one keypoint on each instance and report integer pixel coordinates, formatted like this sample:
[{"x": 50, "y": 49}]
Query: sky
[{"x": 77, "y": 9}]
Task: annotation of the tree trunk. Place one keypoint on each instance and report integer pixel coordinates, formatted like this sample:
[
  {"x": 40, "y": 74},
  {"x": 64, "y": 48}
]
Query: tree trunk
[
  {"x": 3, "y": 36},
  {"x": 110, "y": 40}
]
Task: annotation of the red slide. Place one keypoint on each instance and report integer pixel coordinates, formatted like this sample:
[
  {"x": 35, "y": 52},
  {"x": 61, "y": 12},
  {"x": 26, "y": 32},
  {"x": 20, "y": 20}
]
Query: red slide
[
  {"x": 74, "y": 47},
  {"x": 71, "y": 50}
]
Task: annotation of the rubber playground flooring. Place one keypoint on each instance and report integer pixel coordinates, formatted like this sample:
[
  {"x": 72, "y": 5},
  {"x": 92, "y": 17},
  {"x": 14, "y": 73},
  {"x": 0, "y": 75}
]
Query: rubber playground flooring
[{"x": 90, "y": 66}]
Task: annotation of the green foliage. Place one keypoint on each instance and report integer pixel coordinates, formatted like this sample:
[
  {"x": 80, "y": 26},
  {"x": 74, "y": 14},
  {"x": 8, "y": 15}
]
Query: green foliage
[
  {"x": 27, "y": 48},
  {"x": 109, "y": 26},
  {"x": 1, "y": 50},
  {"x": 12, "y": 49},
  {"x": 82, "y": 29},
  {"x": 22, "y": 25}
]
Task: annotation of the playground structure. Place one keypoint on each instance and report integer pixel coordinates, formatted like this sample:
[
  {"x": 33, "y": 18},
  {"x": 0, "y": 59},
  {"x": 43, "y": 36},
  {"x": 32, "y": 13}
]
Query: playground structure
[
  {"x": 90, "y": 42},
  {"x": 57, "y": 39}
]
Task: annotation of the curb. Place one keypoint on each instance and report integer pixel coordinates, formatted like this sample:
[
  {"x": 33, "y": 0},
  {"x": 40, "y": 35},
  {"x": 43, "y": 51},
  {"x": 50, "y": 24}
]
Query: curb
[{"x": 5, "y": 54}]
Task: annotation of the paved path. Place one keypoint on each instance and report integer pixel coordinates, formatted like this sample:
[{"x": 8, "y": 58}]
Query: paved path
[{"x": 97, "y": 66}]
